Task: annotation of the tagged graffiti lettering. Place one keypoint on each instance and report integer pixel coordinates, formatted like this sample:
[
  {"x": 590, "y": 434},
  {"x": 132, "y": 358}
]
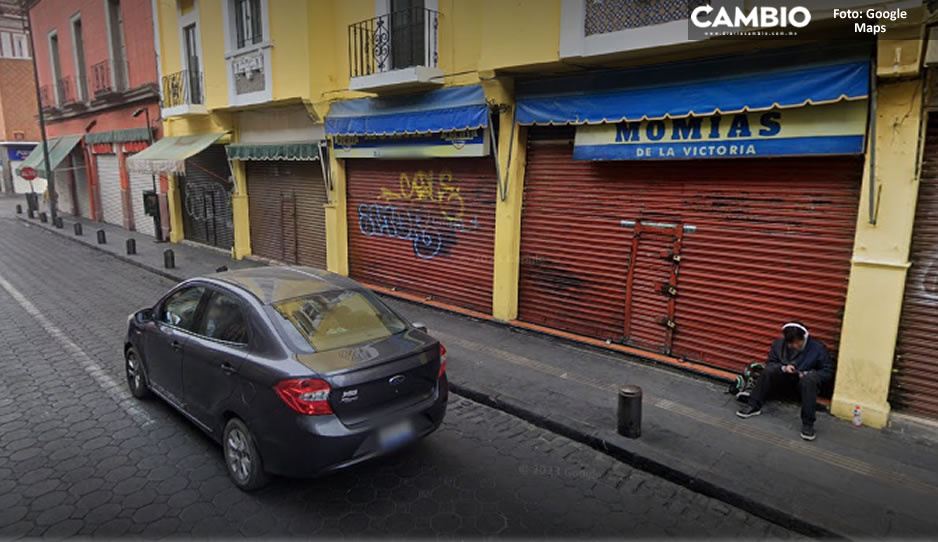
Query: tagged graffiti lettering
[
  {"x": 423, "y": 186},
  {"x": 377, "y": 220},
  {"x": 203, "y": 198}
]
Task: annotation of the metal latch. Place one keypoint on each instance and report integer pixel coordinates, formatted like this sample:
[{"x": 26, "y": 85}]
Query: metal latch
[{"x": 669, "y": 290}]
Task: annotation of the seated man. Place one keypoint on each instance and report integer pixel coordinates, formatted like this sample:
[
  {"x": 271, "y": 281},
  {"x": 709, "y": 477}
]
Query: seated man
[{"x": 796, "y": 361}]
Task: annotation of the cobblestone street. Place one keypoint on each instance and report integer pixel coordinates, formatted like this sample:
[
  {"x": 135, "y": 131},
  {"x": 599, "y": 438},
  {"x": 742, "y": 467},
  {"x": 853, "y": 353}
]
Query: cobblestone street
[{"x": 80, "y": 456}]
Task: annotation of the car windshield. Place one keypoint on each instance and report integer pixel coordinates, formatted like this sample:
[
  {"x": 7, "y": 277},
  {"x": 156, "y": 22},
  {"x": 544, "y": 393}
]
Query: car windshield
[{"x": 331, "y": 320}]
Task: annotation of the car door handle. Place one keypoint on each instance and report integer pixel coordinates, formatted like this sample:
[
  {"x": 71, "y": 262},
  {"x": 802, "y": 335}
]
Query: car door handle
[
  {"x": 228, "y": 368},
  {"x": 176, "y": 345}
]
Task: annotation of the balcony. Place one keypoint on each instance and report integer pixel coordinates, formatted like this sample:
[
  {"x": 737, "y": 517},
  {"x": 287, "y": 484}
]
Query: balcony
[
  {"x": 46, "y": 99},
  {"x": 182, "y": 94},
  {"x": 103, "y": 85},
  {"x": 395, "y": 50},
  {"x": 67, "y": 95}
]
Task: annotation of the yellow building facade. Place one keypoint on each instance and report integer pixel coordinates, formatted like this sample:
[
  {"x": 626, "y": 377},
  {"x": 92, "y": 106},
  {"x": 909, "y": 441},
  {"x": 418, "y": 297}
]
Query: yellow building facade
[{"x": 284, "y": 83}]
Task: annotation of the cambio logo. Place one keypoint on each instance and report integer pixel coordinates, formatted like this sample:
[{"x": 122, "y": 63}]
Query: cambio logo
[{"x": 757, "y": 17}]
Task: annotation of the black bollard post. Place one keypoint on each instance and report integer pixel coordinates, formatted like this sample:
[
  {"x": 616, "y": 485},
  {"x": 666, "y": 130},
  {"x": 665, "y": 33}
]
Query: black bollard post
[
  {"x": 43, "y": 217},
  {"x": 58, "y": 223},
  {"x": 169, "y": 259},
  {"x": 102, "y": 237},
  {"x": 630, "y": 411},
  {"x": 77, "y": 227},
  {"x": 19, "y": 208},
  {"x": 131, "y": 247}
]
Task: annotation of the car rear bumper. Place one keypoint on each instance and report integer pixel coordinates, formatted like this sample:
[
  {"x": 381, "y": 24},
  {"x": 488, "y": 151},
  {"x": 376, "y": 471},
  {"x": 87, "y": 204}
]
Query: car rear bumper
[{"x": 316, "y": 445}]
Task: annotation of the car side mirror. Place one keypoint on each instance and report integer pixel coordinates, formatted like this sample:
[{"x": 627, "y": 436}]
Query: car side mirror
[
  {"x": 145, "y": 315},
  {"x": 419, "y": 326}
]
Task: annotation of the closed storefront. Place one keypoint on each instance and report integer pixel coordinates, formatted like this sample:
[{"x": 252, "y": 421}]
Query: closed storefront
[
  {"x": 425, "y": 227},
  {"x": 695, "y": 235},
  {"x": 915, "y": 375},
  {"x": 70, "y": 181},
  {"x": 109, "y": 186},
  {"x": 421, "y": 193},
  {"x": 205, "y": 190},
  {"x": 700, "y": 260},
  {"x": 286, "y": 200}
]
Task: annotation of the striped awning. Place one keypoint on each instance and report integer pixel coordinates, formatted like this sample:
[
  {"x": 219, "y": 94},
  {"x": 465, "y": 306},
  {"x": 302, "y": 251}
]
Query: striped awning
[
  {"x": 59, "y": 149},
  {"x": 306, "y": 150}
]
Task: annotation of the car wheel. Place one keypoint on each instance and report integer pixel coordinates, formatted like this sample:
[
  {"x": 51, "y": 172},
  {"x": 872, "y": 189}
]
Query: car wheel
[
  {"x": 242, "y": 458},
  {"x": 136, "y": 375}
]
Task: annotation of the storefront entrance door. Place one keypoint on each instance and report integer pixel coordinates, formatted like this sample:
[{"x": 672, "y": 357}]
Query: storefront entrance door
[{"x": 651, "y": 283}]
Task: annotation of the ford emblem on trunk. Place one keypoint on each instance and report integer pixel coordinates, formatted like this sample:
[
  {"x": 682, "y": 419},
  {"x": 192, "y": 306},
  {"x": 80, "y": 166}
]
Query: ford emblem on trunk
[{"x": 396, "y": 380}]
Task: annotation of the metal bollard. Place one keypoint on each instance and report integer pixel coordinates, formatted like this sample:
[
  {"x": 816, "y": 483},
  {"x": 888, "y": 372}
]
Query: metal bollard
[
  {"x": 131, "y": 247},
  {"x": 43, "y": 217},
  {"x": 102, "y": 237},
  {"x": 19, "y": 208},
  {"x": 77, "y": 227},
  {"x": 630, "y": 411},
  {"x": 169, "y": 259},
  {"x": 58, "y": 223}
]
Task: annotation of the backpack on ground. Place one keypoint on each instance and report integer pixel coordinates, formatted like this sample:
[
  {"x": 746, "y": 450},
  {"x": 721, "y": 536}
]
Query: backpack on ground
[{"x": 744, "y": 384}]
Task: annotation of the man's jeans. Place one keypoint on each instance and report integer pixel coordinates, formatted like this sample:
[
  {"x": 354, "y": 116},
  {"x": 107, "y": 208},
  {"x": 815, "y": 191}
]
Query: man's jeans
[{"x": 773, "y": 381}]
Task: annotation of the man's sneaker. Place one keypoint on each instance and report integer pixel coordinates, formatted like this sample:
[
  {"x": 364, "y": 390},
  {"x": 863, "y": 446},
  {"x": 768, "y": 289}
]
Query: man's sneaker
[
  {"x": 807, "y": 432},
  {"x": 748, "y": 411}
]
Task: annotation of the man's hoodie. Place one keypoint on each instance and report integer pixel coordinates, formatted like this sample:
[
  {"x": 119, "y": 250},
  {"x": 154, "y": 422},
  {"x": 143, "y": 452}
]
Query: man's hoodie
[{"x": 813, "y": 357}]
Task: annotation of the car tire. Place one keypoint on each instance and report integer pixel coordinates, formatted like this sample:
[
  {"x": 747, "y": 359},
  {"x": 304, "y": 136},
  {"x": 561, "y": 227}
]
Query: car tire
[
  {"x": 242, "y": 459},
  {"x": 136, "y": 375}
]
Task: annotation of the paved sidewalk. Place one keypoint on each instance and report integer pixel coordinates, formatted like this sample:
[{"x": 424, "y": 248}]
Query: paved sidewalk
[
  {"x": 849, "y": 482},
  {"x": 191, "y": 260}
]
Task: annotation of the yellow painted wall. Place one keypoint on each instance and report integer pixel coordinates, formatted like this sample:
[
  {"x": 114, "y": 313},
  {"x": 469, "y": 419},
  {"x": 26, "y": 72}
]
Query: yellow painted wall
[
  {"x": 880, "y": 259},
  {"x": 290, "y": 56}
]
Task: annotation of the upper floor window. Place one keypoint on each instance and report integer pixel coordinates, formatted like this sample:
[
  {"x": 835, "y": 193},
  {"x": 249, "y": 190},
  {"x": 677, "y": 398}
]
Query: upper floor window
[
  {"x": 248, "y": 28},
  {"x": 13, "y": 45},
  {"x": 605, "y": 16}
]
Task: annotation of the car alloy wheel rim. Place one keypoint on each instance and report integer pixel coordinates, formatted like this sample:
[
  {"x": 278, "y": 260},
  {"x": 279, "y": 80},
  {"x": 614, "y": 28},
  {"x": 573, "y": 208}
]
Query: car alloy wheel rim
[
  {"x": 239, "y": 457},
  {"x": 133, "y": 372}
]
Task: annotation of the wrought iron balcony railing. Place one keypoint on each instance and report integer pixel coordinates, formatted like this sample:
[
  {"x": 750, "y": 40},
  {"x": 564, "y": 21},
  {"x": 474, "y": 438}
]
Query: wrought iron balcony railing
[
  {"x": 182, "y": 88},
  {"x": 45, "y": 97},
  {"x": 66, "y": 88},
  {"x": 401, "y": 39},
  {"x": 102, "y": 81}
]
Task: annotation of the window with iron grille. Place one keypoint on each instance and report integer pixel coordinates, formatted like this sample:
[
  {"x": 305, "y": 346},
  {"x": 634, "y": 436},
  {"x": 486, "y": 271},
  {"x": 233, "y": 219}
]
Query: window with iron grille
[
  {"x": 248, "y": 27},
  {"x": 604, "y": 16}
]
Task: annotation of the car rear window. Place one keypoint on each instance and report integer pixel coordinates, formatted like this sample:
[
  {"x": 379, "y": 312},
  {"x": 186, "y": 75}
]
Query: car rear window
[{"x": 331, "y": 320}]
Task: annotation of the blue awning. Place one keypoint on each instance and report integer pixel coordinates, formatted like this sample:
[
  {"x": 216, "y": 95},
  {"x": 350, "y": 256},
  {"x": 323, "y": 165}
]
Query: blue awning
[
  {"x": 670, "y": 92},
  {"x": 444, "y": 110}
]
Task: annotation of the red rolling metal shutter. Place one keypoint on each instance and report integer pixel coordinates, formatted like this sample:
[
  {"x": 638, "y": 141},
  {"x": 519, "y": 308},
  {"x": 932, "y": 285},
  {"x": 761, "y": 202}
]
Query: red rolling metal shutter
[
  {"x": 728, "y": 250},
  {"x": 285, "y": 206},
  {"x": 915, "y": 379},
  {"x": 425, "y": 227}
]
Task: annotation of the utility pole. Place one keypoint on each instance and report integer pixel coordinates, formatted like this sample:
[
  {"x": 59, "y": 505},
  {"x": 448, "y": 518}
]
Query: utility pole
[{"x": 50, "y": 175}]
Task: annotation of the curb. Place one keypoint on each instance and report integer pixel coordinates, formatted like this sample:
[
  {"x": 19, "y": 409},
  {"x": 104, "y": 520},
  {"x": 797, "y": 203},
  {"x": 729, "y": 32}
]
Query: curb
[
  {"x": 650, "y": 465},
  {"x": 122, "y": 257},
  {"x": 594, "y": 441}
]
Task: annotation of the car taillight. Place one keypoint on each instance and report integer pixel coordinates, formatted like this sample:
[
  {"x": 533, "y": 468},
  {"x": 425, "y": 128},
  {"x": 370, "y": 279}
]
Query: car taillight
[
  {"x": 308, "y": 396},
  {"x": 442, "y": 362}
]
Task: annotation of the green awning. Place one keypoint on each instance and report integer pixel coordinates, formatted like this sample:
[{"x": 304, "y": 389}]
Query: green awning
[
  {"x": 168, "y": 155},
  {"x": 118, "y": 136},
  {"x": 274, "y": 151},
  {"x": 59, "y": 148}
]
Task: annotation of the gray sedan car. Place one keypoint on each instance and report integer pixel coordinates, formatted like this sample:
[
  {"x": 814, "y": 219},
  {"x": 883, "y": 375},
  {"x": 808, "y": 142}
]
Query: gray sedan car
[{"x": 294, "y": 370}]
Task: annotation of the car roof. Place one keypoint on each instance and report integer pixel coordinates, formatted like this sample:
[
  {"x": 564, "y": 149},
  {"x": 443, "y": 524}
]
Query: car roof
[{"x": 272, "y": 284}]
